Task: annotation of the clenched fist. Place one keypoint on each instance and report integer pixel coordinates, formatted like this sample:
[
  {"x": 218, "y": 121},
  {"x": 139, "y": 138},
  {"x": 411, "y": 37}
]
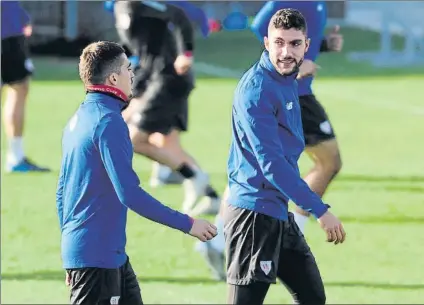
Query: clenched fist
[
  {"x": 182, "y": 64},
  {"x": 203, "y": 230}
]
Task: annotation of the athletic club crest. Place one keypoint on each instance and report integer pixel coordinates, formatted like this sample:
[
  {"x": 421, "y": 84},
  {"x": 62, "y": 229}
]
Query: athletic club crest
[{"x": 266, "y": 266}]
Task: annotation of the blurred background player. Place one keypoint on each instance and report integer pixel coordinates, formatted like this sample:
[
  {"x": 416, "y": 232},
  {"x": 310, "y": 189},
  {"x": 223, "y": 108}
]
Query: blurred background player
[
  {"x": 320, "y": 139},
  {"x": 162, "y": 174},
  {"x": 321, "y": 144},
  {"x": 161, "y": 35},
  {"x": 16, "y": 70}
]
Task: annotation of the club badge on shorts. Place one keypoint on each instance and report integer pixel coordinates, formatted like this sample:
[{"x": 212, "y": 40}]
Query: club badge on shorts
[
  {"x": 266, "y": 266},
  {"x": 114, "y": 300}
]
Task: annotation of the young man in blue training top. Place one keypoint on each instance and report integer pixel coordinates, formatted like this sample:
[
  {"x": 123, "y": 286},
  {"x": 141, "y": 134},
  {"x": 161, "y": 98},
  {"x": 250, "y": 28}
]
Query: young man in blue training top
[
  {"x": 320, "y": 139},
  {"x": 97, "y": 185},
  {"x": 263, "y": 241}
]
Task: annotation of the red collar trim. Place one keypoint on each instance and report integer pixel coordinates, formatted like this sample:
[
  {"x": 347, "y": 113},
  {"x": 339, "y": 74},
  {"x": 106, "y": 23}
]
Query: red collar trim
[{"x": 108, "y": 89}]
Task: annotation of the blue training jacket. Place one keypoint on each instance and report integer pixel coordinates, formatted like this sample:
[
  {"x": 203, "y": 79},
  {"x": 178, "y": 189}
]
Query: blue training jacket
[
  {"x": 267, "y": 141},
  {"x": 13, "y": 19},
  {"x": 315, "y": 13},
  {"x": 97, "y": 185}
]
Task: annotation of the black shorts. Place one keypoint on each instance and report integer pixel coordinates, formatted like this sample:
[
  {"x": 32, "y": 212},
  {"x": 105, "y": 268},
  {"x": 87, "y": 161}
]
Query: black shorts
[
  {"x": 163, "y": 103},
  {"x": 261, "y": 249},
  {"x": 316, "y": 125},
  {"x": 98, "y": 286},
  {"x": 15, "y": 62}
]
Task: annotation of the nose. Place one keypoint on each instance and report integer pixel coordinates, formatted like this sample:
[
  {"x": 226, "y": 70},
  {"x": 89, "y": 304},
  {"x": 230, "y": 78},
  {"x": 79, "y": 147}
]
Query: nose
[{"x": 285, "y": 51}]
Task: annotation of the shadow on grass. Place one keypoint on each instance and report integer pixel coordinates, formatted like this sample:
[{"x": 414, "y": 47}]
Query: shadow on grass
[
  {"x": 379, "y": 220},
  {"x": 369, "y": 178},
  {"x": 408, "y": 184},
  {"x": 59, "y": 276}
]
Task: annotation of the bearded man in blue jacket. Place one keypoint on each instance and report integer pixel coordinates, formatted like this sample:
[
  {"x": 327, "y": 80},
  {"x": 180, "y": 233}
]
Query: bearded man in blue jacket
[{"x": 263, "y": 242}]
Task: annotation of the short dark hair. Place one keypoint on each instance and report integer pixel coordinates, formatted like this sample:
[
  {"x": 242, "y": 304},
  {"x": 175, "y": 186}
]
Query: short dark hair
[
  {"x": 98, "y": 60},
  {"x": 288, "y": 18}
]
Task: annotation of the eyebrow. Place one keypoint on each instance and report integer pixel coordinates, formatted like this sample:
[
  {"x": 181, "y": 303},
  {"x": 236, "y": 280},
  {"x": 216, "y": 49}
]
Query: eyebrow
[
  {"x": 129, "y": 64},
  {"x": 289, "y": 41}
]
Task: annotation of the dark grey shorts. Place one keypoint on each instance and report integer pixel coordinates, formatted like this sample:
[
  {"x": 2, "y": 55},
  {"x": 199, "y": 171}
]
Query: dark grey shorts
[
  {"x": 317, "y": 127},
  {"x": 258, "y": 246},
  {"x": 98, "y": 286}
]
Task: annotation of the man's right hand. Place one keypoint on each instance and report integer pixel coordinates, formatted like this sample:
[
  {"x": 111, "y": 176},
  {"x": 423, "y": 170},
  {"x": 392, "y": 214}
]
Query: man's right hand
[
  {"x": 333, "y": 227},
  {"x": 67, "y": 279},
  {"x": 203, "y": 230},
  {"x": 182, "y": 64}
]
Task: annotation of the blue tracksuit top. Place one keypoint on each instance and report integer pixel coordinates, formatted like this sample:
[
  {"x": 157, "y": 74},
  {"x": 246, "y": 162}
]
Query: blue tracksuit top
[
  {"x": 267, "y": 141},
  {"x": 13, "y": 19},
  {"x": 97, "y": 185},
  {"x": 315, "y": 13}
]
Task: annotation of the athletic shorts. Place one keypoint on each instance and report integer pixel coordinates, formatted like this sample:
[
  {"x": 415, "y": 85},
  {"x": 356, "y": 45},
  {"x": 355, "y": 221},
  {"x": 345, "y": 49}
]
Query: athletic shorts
[
  {"x": 261, "y": 248},
  {"x": 98, "y": 286},
  {"x": 316, "y": 124},
  {"x": 15, "y": 62},
  {"x": 163, "y": 103}
]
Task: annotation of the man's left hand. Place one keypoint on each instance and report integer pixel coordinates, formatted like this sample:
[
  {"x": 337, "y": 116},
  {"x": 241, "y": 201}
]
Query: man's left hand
[
  {"x": 27, "y": 30},
  {"x": 182, "y": 64},
  {"x": 335, "y": 40}
]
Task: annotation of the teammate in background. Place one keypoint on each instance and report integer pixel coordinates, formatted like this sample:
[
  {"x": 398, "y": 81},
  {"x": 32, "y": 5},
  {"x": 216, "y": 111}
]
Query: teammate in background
[
  {"x": 162, "y": 174},
  {"x": 162, "y": 37},
  {"x": 16, "y": 70},
  {"x": 320, "y": 139},
  {"x": 321, "y": 146}
]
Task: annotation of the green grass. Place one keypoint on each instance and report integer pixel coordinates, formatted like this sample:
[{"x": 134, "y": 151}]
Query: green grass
[{"x": 379, "y": 195}]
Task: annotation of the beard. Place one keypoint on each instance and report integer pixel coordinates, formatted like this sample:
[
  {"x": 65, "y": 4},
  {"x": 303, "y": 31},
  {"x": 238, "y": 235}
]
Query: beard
[{"x": 295, "y": 69}]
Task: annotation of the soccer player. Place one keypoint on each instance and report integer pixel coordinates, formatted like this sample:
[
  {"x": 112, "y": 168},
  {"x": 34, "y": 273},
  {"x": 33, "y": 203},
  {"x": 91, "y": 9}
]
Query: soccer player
[
  {"x": 16, "y": 70},
  {"x": 162, "y": 37},
  {"x": 320, "y": 139},
  {"x": 263, "y": 241},
  {"x": 161, "y": 174},
  {"x": 322, "y": 145},
  {"x": 97, "y": 185}
]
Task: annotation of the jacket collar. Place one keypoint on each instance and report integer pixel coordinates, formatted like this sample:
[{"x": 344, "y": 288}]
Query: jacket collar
[
  {"x": 266, "y": 63},
  {"x": 108, "y": 95}
]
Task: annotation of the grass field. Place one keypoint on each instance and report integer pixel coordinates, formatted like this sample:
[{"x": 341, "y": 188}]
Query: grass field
[{"x": 379, "y": 195}]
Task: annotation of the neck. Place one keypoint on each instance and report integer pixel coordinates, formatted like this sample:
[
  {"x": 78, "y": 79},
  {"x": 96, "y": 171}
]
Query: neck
[{"x": 109, "y": 90}]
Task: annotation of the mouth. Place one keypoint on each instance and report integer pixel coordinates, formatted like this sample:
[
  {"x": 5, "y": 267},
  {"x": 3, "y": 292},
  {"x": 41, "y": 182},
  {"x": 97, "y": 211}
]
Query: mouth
[{"x": 286, "y": 61}]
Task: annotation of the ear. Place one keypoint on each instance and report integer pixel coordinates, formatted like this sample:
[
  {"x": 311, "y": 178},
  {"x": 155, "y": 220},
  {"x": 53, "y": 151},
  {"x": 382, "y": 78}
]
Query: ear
[
  {"x": 266, "y": 43},
  {"x": 307, "y": 44},
  {"x": 113, "y": 79}
]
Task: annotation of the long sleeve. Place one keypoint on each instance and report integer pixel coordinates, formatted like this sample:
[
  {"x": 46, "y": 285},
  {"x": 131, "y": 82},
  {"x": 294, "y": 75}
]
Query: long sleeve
[
  {"x": 260, "y": 23},
  {"x": 316, "y": 26},
  {"x": 59, "y": 198},
  {"x": 253, "y": 114},
  {"x": 195, "y": 14},
  {"x": 114, "y": 145},
  {"x": 183, "y": 29},
  {"x": 25, "y": 18}
]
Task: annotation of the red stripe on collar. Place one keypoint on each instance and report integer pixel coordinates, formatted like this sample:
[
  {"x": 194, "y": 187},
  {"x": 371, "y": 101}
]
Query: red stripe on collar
[{"x": 108, "y": 89}]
